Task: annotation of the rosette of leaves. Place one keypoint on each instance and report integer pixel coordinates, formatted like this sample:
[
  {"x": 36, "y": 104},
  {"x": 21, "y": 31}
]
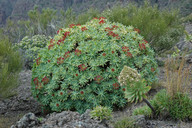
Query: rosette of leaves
[
  {"x": 135, "y": 87},
  {"x": 137, "y": 91},
  {"x": 31, "y": 46},
  {"x": 78, "y": 69},
  {"x": 101, "y": 113}
]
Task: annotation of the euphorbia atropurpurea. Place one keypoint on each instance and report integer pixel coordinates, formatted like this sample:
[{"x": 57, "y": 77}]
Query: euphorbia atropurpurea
[
  {"x": 78, "y": 69},
  {"x": 135, "y": 87}
]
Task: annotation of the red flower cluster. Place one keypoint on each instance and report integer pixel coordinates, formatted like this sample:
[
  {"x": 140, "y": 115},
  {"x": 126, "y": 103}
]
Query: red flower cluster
[
  {"x": 49, "y": 61},
  {"x": 45, "y": 111},
  {"x": 77, "y": 52},
  {"x": 125, "y": 48},
  {"x": 104, "y": 54},
  {"x": 63, "y": 38},
  {"x": 37, "y": 83},
  {"x": 83, "y": 28},
  {"x": 137, "y": 30},
  {"x": 58, "y": 42},
  {"x": 52, "y": 44},
  {"x": 38, "y": 61},
  {"x": 112, "y": 69},
  {"x": 123, "y": 89},
  {"x": 66, "y": 55},
  {"x": 57, "y": 105},
  {"x": 108, "y": 29},
  {"x": 45, "y": 80},
  {"x": 98, "y": 79},
  {"x": 111, "y": 33},
  {"x": 116, "y": 86},
  {"x": 59, "y": 30},
  {"x": 53, "y": 94},
  {"x": 72, "y": 25},
  {"x": 112, "y": 28},
  {"x": 101, "y": 21},
  {"x": 51, "y": 41},
  {"x": 60, "y": 60},
  {"x": 129, "y": 54},
  {"x": 142, "y": 46},
  {"x": 82, "y": 92},
  {"x": 152, "y": 69},
  {"x": 76, "y": 74},
  {"x": 101, "y": 18},
  {"x": 61, "y": 93},
  {"x": 112, "y": 52},
  {"x": 66, "y": 34},
  {"x": 82, "y": 67},
  {"x": 145, "y": 41}
]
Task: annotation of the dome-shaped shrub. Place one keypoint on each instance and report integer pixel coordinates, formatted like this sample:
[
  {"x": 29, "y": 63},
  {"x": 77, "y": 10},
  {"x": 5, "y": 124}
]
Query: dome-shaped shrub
[
  {"x": 79, "y": 68},
  {"x": 31, "y": 46}
]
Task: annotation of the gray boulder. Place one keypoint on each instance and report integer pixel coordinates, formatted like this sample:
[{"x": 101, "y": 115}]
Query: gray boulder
[
  {"x": 29, "y": 120},
  {"x": 65, "y": 119}
]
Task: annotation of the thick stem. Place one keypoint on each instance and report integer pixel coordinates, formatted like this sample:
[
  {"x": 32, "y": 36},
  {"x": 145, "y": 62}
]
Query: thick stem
[{"x": 151, "y": 107}]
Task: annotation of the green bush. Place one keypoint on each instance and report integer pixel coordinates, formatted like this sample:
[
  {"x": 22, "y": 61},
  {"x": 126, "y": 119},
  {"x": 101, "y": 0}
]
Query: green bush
[
  {"x": 31, "y": 46},
  {"x": 160, "y": 27},
  {"x": 160, "y": 98},
  {"x": 145, "y": 110},
  {"x": 126, "y": 122},
  {"x": 177, "y": 107},
  {"x": 10, "y": 64},
  {"x": 79, "y": 69},
  {"x": 180, "y": 107},
  {"x": 84, "y": 17},
  {"x": 101, "y": 113}
]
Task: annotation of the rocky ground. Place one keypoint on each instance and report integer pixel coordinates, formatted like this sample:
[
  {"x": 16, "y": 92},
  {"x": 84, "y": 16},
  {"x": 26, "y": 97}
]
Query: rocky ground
[
  {"x": 12, "y": 110},
  {"x": 23, "y": 111}
]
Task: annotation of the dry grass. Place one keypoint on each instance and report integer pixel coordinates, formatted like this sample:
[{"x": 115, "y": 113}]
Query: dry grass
[
  {"x": 8, "y": 121},
  {"x": 177, "y": 76}
]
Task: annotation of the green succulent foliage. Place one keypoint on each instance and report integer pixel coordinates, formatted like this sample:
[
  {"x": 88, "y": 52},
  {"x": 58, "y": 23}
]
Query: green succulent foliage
[
  {"x": 101, "y": 113},
  {"x": 79, "y": 68},
  {"x": 137, "y": 92},
  {"x": 31, "y": 46},
  {"x": 135, "y": 86},
  {"x": 177, "y": 108}
]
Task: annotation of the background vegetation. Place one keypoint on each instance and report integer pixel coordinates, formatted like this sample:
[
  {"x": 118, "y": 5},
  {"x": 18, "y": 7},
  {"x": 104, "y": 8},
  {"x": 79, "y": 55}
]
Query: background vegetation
[
  {"x": 10, "y": 64},
  {"x": 160, "y": 22}
]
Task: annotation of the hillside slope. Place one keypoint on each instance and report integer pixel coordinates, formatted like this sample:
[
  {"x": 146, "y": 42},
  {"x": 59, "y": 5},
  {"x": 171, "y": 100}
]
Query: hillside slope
[{"x": 17, "y": 9}]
